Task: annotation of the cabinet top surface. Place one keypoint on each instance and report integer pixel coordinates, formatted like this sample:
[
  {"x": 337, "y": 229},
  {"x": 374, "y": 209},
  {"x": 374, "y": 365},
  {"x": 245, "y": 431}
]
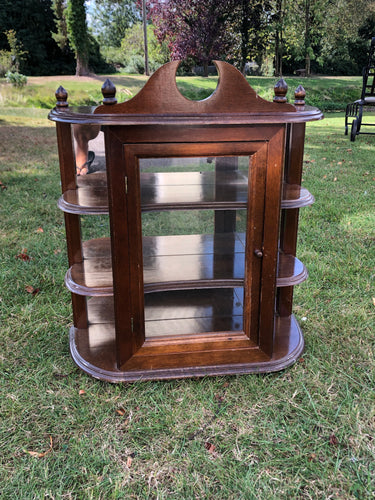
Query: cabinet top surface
[{"x": 159, "y": 102}]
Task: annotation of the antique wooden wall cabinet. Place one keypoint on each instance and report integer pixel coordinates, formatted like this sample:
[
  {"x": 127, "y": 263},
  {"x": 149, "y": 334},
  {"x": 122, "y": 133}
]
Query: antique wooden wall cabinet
[{"x": 195, "y": 276}]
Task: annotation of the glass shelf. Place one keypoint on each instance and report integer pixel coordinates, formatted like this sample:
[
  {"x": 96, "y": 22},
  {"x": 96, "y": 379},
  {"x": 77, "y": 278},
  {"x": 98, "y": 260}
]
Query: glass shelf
[
  {"x": 176, "y": 191},
  {"x": 178, "y": 262}
]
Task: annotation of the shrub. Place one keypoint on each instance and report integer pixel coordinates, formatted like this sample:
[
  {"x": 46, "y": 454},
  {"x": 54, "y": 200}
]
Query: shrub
[
  {"x": 136, "y": 64},
  {"x": 5, "y": 62},
  {"x": 97, "y": 63},
  {"x": 115, "y": 56},
  {"x": 16, "y": 79}
]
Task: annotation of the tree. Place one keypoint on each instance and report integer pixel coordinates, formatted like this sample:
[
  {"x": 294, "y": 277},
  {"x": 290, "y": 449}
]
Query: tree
[
  {"x": 196, "y": 29},
  {"x": 279, "y": 34},
  {"x": 61, "y": 36},
  {"x": 133, "y": 49},
  {"x": 344, "y": 48},
  {"x": 17, "y": 53},
  {"x": 33, "y": 22},
  {"x": 78, "y": 34},
  {"x": 323, "y": 36},
  {"x": 10, "y": 59},
  {"x": 251, "y": 20},
  {"x": 111, "y": 20}
]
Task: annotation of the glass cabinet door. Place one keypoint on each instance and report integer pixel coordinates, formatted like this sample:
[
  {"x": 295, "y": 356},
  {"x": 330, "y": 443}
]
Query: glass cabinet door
[
  {"x": 191, "y": 257},
  {"x": 194, "y": 215}
]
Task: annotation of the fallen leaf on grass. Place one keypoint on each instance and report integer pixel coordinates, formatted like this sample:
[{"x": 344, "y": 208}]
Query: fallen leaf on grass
[
  {"x": 129, "y": 462},
  {"x": 37, "y": 454},
  {"x": 61, "y": 375},
  {"x": 333, "y": 440},
  {"x": 32, "y": 290},
  {"x": 209, "y": 447},
  {"x": 40, "y": 230},
  {"x": 2, "y": 186},
  {"x": 23, "y": 255},
  {"x": 373, "y": 301},
  {"x": 121, "y": 412},
  {"x": 312, "y": 457},
  {"x": 81, "y": 392}
]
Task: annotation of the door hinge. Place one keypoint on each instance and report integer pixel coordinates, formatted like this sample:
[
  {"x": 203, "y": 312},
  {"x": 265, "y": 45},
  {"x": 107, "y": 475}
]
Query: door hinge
[
  {"x": 126, "y": 184},
  {"x": 132, "y": 324}
]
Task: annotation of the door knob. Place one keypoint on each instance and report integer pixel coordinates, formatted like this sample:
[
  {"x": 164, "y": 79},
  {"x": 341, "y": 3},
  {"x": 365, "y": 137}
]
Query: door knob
[{"x": 258, "y": 253}]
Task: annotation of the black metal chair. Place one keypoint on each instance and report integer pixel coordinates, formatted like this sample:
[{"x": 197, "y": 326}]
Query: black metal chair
[{"x": 355, "y": 109}]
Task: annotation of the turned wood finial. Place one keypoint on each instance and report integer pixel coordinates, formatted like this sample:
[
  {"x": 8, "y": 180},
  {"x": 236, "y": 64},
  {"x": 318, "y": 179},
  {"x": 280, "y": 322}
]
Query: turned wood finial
[
  {"x": 109, "y": 92},
  {"x": 299, "y": 95},
  {"x": 62, "y": 98},
  {"x": 280, "y": 89}
]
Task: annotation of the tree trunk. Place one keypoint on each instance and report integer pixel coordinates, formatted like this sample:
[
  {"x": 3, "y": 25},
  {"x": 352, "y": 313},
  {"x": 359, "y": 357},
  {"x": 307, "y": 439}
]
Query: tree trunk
[
  {"x": 307, "y": 38},
  {"x": 81, "y": 66},
  {"x": 245, "y": 26},
  {"x": 144, "y": 16},
  {"x": 279, "y": 39},
  {"x": 205, "y": 68},
  {"x": 308, "y": 65}
]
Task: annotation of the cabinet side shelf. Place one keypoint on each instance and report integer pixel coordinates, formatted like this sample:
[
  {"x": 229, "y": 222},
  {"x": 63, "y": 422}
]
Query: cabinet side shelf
[
  {"x": 176, "y": 191},
  {"x": 181, "y": 262}
]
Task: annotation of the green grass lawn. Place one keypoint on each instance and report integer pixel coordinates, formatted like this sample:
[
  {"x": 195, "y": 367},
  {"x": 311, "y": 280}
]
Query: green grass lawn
[{"x": 305, "y": 433}]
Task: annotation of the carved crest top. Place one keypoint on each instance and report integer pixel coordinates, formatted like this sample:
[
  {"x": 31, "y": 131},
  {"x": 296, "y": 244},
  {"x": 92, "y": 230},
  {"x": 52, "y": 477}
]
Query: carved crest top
[
  {"x": 160, "y": 95},
  {"x": 160, "y": 102}
]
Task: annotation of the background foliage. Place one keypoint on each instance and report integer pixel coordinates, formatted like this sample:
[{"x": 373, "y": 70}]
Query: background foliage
[{"x": 280, "y": 36}]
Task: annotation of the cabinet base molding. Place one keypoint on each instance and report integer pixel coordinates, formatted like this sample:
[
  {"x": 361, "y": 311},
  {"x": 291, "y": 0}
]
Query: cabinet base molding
[{"x": 99, "y": 359}]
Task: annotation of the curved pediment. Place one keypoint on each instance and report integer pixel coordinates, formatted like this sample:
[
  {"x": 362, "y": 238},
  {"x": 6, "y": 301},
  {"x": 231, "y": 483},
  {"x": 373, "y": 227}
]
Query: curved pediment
[{"x": 160, "y": 96}]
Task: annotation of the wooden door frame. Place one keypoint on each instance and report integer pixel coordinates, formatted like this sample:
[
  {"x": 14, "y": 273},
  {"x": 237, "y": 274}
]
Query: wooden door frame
[{"x": 135, "y": 352}]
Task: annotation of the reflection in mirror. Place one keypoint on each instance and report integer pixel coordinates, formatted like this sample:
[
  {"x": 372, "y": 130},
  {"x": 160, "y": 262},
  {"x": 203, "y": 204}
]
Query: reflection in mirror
[
  {"x": 192, "y": 312},
  {"x": 88, "y": 149}
]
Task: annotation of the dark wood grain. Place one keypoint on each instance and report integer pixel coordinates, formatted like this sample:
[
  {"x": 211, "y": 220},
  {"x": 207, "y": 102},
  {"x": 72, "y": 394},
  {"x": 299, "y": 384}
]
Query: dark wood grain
[
  {"x": 95, "y": 353},
  {"x": 289, "y": 218},
  {"x": 126, "y": 255},
  {"x": 72, "y": 221},
  {"x": 170, "y": 101},
  {"x": 271, "y": 217}
]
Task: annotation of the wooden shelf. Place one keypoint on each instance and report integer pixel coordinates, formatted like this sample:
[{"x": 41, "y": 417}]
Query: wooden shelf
[
  {"x": 186, "y": 190},
  {"x": 177, "y": 262},
  {"x": 94, "y": 351},
  {"x": 183, "y": 312},
  {"x": 295, "y": 196},
  {"x": 176, "y": 191},
  {"x": 90, "y": 197}
]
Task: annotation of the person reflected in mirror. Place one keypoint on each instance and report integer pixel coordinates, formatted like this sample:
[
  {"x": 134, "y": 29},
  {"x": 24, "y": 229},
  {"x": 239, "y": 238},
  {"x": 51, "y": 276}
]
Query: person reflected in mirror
[{"x": 82, "y": 135}]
